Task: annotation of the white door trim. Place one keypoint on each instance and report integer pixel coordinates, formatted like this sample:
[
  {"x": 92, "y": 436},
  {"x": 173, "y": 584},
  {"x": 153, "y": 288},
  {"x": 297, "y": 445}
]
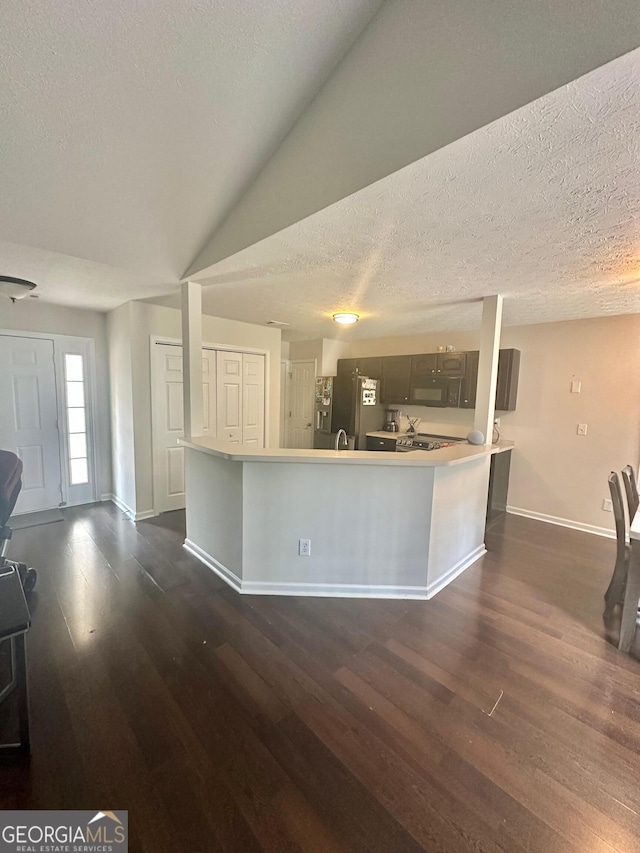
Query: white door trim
[{"x": 59, "y": 345}]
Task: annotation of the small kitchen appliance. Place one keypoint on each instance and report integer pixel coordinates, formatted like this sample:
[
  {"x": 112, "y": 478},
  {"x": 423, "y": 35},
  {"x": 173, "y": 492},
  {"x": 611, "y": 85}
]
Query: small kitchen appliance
[{"x": 391, "y": 420}]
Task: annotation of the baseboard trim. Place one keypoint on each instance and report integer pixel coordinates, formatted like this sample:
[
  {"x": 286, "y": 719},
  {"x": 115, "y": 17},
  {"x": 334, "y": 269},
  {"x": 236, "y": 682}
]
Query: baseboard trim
[
  {"x": 222, "y": 571},
  {"x": 562, "y": 522},
  {"x": 123, "y": 507},
  {"x": 317, "y": 590},
  {"x": 141, "y": 516},
  {"x": 458, "y": 569},
  {"x": 126, "y": 509}
]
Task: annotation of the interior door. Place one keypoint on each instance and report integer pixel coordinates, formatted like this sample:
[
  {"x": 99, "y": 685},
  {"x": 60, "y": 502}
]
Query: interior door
[
  {"x": 229, "y": 394},
  {"x": 253, "y": 400},
  {"x": 168, "y": 421},
  {"x": 29, "y": 418},
  {"x": 302, "y": 397}
]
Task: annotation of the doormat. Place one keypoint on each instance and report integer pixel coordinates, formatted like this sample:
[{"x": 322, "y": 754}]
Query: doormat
[{"x": 34, "y": 519}]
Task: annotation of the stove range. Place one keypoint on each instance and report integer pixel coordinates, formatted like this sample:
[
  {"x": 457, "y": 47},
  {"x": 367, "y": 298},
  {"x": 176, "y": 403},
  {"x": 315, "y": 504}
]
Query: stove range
[{"x": 424, "y": 442}]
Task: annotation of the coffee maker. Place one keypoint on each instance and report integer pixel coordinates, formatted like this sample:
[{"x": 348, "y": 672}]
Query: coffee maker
[{"x": 391, "y": 420}]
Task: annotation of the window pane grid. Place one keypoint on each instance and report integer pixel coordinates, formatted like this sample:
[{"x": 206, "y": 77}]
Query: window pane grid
[{"x": 76, "y": 419}]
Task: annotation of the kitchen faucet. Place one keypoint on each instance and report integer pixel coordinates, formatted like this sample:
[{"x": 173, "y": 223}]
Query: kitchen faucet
[{"x": 338, "y": 434}]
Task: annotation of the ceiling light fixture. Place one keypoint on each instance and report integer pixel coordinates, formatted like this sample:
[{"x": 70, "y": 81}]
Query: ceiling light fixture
[
  {"x": 15, "y": 288},
  {"x": 346, "y": 318}
]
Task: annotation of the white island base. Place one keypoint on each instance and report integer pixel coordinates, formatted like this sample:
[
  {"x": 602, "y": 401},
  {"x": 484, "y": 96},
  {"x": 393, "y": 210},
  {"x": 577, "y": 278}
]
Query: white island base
[{"x": 380, "y": 525}]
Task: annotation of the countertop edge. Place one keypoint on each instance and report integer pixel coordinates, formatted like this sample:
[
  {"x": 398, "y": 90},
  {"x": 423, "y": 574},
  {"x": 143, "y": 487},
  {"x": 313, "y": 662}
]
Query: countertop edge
[{"x": 446, "y": 457}]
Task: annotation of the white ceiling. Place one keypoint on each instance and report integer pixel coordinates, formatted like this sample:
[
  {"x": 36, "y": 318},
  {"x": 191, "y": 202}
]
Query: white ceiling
[
  {"x": 129, "y": 129},
  {"x": 542, "y": 206}
]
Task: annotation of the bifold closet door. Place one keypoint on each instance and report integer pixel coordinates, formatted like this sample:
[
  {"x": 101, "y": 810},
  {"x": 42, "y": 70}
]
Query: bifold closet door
[
  {"x": 241, "y": 391},
  {"x": 229, "y": 371},
  {"x": 253, "y": 400},
  {"x": 168, "y": 421}
]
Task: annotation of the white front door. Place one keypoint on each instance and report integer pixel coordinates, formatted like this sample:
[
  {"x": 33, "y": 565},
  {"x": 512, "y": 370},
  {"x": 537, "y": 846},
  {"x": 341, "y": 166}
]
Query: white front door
[
  {"x": 229, "y": 393},
  {"x": 168, "y": 421},
  {"x": 253, "y": 400},
  {"x": 301, "y": 402},
  {"x": 29, "y": 418}
]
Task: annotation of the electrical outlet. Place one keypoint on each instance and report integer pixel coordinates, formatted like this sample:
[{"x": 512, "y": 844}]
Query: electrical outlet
[
  {"x": 606, "y": 505},
  {"x": 304, "y": 547},
  {"x": 582, "y": 429},
  {"x": 496, "y": 422}
]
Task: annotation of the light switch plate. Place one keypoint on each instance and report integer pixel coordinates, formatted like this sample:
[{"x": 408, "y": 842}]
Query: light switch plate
[
  {"x": 576, "y": 387},
  {"x": 582, "y": 429}
]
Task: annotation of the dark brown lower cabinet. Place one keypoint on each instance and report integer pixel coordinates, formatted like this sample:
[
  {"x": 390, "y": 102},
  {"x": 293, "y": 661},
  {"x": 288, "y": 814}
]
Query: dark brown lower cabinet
[{"x": 498, "y": 485}]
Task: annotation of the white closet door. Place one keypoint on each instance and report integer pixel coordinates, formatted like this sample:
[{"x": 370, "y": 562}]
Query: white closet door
[
  {"x": 168, "y": 421},
  {"x": 229, "y": 370},
  {"x": 29, "y": 418},
  {"x": 253, "y": 400}
]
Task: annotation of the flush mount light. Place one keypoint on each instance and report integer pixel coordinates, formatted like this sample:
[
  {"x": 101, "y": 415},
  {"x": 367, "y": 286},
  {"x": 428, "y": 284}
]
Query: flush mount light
[
  {"x": 15, "y": 288},
  {"x": 346, "y": 318}
]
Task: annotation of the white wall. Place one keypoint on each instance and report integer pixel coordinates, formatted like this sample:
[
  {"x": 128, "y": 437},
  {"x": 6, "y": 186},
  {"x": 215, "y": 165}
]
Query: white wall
[
  {"x": 122, "y": 428},
  {"x": 147, "y": 320},
  {"x": 30, "y": 315},
  {"x": 554, "y": 471},
  {"x": 325, "y": 351}
]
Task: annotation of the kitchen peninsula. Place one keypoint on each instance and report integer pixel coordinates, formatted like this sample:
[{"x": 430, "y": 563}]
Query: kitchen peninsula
[{"x": 377, "y": 524}]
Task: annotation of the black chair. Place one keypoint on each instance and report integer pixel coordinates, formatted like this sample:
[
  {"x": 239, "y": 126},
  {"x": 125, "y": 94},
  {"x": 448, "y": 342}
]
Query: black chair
[
  {"x": 631, "y": 488},
  {"x": 615, "y": 591},
  {"x": 15, "y": 581},
  {"x": 10, "y": 486}
]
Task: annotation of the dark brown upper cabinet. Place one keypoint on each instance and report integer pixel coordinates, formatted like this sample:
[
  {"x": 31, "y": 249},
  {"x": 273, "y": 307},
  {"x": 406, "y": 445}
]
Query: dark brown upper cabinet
[
  {"x": 470, "y": 381},
  {"x": 451, "y": 363},
  {"x": 507, "y": 384},
  {"x": 425, "y": 365},
  {"x": 371, "y": 367},
  {"x": 421, "y": 379},
  {"x": 396, "y": 379}
]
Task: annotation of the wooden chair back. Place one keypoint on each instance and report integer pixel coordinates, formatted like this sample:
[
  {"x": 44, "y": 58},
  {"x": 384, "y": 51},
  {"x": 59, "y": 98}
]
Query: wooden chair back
[{"x": 631, "y": 488}]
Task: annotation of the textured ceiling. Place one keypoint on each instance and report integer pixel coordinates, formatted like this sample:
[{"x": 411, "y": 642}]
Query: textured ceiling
[
  {"x": 130, "y": 128},
  {"x": 542, "y": 206}
]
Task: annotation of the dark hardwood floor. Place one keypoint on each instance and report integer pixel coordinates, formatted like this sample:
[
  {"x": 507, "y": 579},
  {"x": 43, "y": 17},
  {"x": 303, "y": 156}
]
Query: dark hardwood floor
[{"x": 495, "y": 717}]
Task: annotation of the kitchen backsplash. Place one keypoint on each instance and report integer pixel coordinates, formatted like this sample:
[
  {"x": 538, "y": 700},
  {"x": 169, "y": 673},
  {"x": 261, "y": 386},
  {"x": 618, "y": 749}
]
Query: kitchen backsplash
[{"x": 456, "y": 422}]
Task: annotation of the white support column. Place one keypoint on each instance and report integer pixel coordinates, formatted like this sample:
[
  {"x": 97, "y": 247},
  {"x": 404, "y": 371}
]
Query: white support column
[
  {"x": 192, "y": 358},
  {"x": 488, "y": 365}
]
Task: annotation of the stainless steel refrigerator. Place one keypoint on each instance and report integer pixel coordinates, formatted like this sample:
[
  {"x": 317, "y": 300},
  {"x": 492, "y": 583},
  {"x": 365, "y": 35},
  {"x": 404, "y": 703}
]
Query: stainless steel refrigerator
[
  {"x": 322, "y": 439},
  {"x": 355, "y": 407}
]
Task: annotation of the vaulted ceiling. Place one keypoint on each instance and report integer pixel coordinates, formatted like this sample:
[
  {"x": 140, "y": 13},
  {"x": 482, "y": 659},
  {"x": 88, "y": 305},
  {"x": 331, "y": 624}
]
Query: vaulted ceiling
[
  {"x": 143, "y": 140},
  {"x": 542, "y": 206}
]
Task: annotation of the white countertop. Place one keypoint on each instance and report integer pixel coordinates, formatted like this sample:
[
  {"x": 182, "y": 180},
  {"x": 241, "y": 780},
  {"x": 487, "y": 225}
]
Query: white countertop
[{"x": 447, "y": 456}]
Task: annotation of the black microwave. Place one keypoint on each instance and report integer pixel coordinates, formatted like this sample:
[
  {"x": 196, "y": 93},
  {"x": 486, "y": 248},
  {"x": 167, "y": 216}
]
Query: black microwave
[{"x": 440, "y": 391}]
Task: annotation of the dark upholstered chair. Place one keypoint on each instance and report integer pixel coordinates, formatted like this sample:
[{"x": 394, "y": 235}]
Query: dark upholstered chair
[
  {"x": 615, "y": 590},
  {"x": 631, "y": 488}
]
